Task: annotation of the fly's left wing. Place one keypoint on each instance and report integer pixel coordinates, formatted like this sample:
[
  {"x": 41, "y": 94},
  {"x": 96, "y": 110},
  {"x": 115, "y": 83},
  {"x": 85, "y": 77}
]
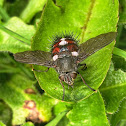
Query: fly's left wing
[
  {"x": 94, "y": 44},
  {"x": 35, "y": 57}
]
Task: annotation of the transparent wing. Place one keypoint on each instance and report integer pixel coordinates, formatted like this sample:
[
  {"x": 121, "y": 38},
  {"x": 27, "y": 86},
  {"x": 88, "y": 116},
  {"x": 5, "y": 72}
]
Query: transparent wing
[
  {"x": 34, "y": 57},
  {"x": 94, "y": 44}
]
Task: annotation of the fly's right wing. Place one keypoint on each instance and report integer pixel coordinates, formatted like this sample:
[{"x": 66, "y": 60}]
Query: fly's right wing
[
  {"x": 35, "y": 57},
  {"x": 94, "y": 44}
]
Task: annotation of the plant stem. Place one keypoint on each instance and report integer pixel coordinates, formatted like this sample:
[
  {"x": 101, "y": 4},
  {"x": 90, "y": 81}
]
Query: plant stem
[
  {"x": 15, "y": 35},
  {"x": 4, "y": 15},
  {"x": 120, "y": 28},
  {"x": 55, "y": 121},
  {"x": 119, "y": 52}
]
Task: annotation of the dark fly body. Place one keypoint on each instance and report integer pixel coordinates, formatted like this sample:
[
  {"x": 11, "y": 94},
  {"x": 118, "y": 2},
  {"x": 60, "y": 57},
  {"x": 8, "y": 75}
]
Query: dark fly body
[{"x": 66, "y": 56}]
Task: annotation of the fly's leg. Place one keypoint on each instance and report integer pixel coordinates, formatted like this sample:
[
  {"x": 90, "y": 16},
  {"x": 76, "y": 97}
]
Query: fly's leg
[
  {"x": 84, "y": 66},
  {"x": 63, "y": 89},
  {"x": 41, "y": 70},
  {"x": 85, "y": 82}
]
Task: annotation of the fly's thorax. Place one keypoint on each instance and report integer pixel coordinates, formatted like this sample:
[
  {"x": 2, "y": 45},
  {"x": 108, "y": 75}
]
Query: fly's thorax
[
  {"x": 64, "y": 47},
  {"x": 66, "y": 64}
]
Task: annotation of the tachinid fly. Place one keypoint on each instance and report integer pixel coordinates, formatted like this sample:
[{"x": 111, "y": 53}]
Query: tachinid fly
[{"x": 66, "y": 56}]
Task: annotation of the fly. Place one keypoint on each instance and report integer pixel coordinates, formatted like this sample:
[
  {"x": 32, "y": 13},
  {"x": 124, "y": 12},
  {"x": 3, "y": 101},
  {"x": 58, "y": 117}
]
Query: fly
[{"x": 66, "y": 56}]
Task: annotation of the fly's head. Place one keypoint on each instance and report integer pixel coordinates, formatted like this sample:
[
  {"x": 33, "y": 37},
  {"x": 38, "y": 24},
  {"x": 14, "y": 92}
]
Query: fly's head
[{"x": 68, "y": 77}]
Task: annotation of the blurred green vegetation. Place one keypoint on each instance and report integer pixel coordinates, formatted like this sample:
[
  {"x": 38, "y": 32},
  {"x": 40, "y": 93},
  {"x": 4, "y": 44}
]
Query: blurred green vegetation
[{"x": 22, "y": 100}]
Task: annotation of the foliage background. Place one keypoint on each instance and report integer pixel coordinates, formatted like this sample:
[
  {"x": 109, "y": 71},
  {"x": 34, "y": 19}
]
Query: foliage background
[{"x": 22, "y": 100}]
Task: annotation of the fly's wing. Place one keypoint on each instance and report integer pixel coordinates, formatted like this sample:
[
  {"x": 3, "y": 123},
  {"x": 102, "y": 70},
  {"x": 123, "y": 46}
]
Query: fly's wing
[
  {"x": 94, "y": 44},
  {"x": 35, "y": 57}
]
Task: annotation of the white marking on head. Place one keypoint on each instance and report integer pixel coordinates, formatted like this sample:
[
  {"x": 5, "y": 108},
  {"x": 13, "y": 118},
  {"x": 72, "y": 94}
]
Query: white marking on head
[
  {"x": 63, "y": 42},
  {"x": 62, "y": 39},
  {"x": 55, "y": 57},
  {"x": 74, "y": 53}
]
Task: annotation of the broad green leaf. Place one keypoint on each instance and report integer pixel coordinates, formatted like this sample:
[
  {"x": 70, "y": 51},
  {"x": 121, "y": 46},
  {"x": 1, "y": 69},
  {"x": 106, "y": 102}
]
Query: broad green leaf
[
  {"x": 88, "y": 112},
  {"x": 86, "y": 19},
  {"x": 8, "y": 43},
  {"x": 32, "y": 8},
  {"x": 120, "y": 115},
  {"x": 114, "y": 85}
]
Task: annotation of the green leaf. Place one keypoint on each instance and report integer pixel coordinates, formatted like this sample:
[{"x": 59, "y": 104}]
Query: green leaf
[
  {"x": 8, "y": 43},
  {"x": 86, "y": 19},
  {"x": 114, "y": 86},
  {"x": 88, "y": 112},
  {"x": 32, "y": 8},
  {"x": 119, "y": 118}
]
